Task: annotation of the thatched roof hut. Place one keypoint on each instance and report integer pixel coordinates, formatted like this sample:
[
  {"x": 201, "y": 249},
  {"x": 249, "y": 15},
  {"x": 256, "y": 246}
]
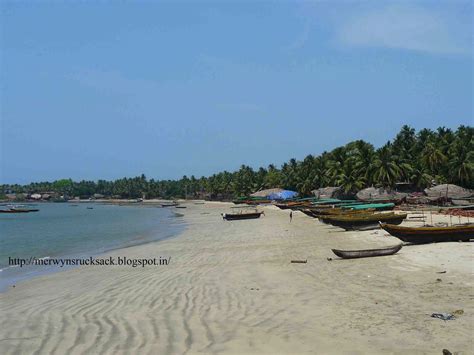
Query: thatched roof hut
[
  {"x": 267, "y": 192},
  {"x": 329, "y": 192},
  {"x": 449, "y": 192},
  {"x": 275, "y": 194},
  {"x": 380, "y": 193}
]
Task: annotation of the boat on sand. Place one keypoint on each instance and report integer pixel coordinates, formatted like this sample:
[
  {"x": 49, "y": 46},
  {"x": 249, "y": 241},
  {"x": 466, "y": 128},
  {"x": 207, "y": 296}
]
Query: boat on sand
[
  {"x": 364, "y": 221},
  {"x": 366, "y": 253},
  {"x": 239, "y": 216},
  {"x": 429, "y": 234}
]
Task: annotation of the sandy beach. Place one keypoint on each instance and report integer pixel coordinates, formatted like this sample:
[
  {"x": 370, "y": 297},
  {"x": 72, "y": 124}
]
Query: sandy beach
[{"x": 230, "y": 288}]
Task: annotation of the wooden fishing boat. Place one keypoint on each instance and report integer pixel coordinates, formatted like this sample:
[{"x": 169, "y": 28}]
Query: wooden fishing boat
[
  {"x": 251, "y": 201},
  {"x": 366, "y": 253},
  {"x": 13, "y": 211},
  {"x": 22, "y": 209},
  {"x": 333, "y": 212},
  {"x": 19, "y": 210},
  {"x": 364, "y": 221},
  {"x": 258, "y": 202},
  {"x": 428, "y": 234},
  {"x": 341, "y": 212},
  {"x": 293, "y": 205},
  {"x": 169, "y": 205},
  {"x": 180, "y": 207},
  {"x": 308, "y": 212},
  {"x": 328, "y": 218},
  {"x": 372, "y": 206},
  {"x": 239, "y": 216}
]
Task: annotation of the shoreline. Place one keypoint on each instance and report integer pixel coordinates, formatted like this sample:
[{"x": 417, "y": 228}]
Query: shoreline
[
  {"x": 32, "y": 272},
  {"x": 230, "y": 288}
]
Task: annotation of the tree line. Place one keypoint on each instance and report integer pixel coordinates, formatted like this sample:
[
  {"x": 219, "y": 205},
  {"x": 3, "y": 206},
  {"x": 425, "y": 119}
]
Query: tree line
[{"x": 420, "y": 158}]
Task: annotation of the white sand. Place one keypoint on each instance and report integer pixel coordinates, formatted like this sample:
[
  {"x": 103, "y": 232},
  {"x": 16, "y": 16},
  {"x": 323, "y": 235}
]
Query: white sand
[{"x": 230, "y": 288}]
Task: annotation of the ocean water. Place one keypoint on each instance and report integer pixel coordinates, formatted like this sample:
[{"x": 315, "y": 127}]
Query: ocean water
[{"x": 61, "y": 230}]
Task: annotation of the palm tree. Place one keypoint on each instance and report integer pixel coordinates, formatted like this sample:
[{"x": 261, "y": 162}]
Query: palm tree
[
  {"x": 404, "y": 142},
  {"x": 443, "y": 155},
  {"x": 364, "y": 165},
  {"x": 386, "y": 171},
  {"x": 420, "y": 177},
  {"x": 335, "y": 165},
  {"x": 432, "y": 157},
  {"x": 273, "y": 177},
  {"x": 461, "y": 165},
  {"x": 289, "y": 174},
  {"x": 319, "y": 170},
  {"x": 349, "y": 179}
]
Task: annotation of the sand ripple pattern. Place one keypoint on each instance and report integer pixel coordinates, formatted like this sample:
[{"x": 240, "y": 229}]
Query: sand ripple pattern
[{"x": 231, "y": 289}]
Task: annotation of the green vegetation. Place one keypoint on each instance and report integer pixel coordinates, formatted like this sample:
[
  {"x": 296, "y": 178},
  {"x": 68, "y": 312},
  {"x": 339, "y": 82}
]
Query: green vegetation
[{"x": 443, "y": 156}]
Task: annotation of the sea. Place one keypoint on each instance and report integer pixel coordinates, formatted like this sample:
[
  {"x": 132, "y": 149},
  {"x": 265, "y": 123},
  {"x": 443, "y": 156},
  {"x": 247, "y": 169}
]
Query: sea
[{"x": 65, "y": 230}]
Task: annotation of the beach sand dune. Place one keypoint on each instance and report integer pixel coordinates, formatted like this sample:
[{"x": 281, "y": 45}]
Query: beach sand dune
[{"x": 231, "y": 288}]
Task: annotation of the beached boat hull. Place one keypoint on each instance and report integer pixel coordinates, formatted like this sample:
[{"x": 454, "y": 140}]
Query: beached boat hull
[
  {"x": 424, "y": 235},
  {"x": 366, "y": 253},
  {"x": 240, "y": 216},
  {"x": 364, "y": 222}
]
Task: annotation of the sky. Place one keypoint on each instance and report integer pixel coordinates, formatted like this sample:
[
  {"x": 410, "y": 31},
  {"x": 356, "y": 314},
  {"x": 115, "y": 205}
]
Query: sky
[{"x": 104, "y": 90}]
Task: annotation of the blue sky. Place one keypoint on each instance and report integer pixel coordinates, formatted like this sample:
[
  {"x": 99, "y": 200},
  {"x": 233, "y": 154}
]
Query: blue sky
[{"x": 93, "y": 90}]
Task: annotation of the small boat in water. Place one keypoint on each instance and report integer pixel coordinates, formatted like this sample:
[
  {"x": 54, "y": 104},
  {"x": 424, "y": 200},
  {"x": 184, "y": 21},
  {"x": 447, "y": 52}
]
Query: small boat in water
[
  {"x": 12, "y": 211},
  {"x": 180, "y": 207},
  {"x": 169, "y": 205},
  {"x": 238, "y": 216},
  {"x": 429, "y": 234},
  {"x": 366, "y": 253},
  {"x": 18, "y": 209}
]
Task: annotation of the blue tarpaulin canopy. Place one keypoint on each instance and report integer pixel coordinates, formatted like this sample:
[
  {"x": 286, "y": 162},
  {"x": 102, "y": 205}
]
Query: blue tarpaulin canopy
[{"x": 282, "y": 195}]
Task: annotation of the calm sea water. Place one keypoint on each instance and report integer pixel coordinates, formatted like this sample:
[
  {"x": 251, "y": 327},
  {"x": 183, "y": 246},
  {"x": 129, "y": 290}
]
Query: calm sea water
[{"x": 62, "y": 230}]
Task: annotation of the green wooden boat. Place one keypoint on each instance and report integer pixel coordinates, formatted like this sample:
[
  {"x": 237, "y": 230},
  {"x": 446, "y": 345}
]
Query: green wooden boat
[
  {"x": 375, "y": 206},
  {"x": 364, "y": 221},
  {"x": 333, "y": 212},
  {"x": 341, "y": 211}
]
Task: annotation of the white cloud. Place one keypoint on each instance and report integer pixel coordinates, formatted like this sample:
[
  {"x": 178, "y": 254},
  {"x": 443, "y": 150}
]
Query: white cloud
[{"x": 406, "y": 27}]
